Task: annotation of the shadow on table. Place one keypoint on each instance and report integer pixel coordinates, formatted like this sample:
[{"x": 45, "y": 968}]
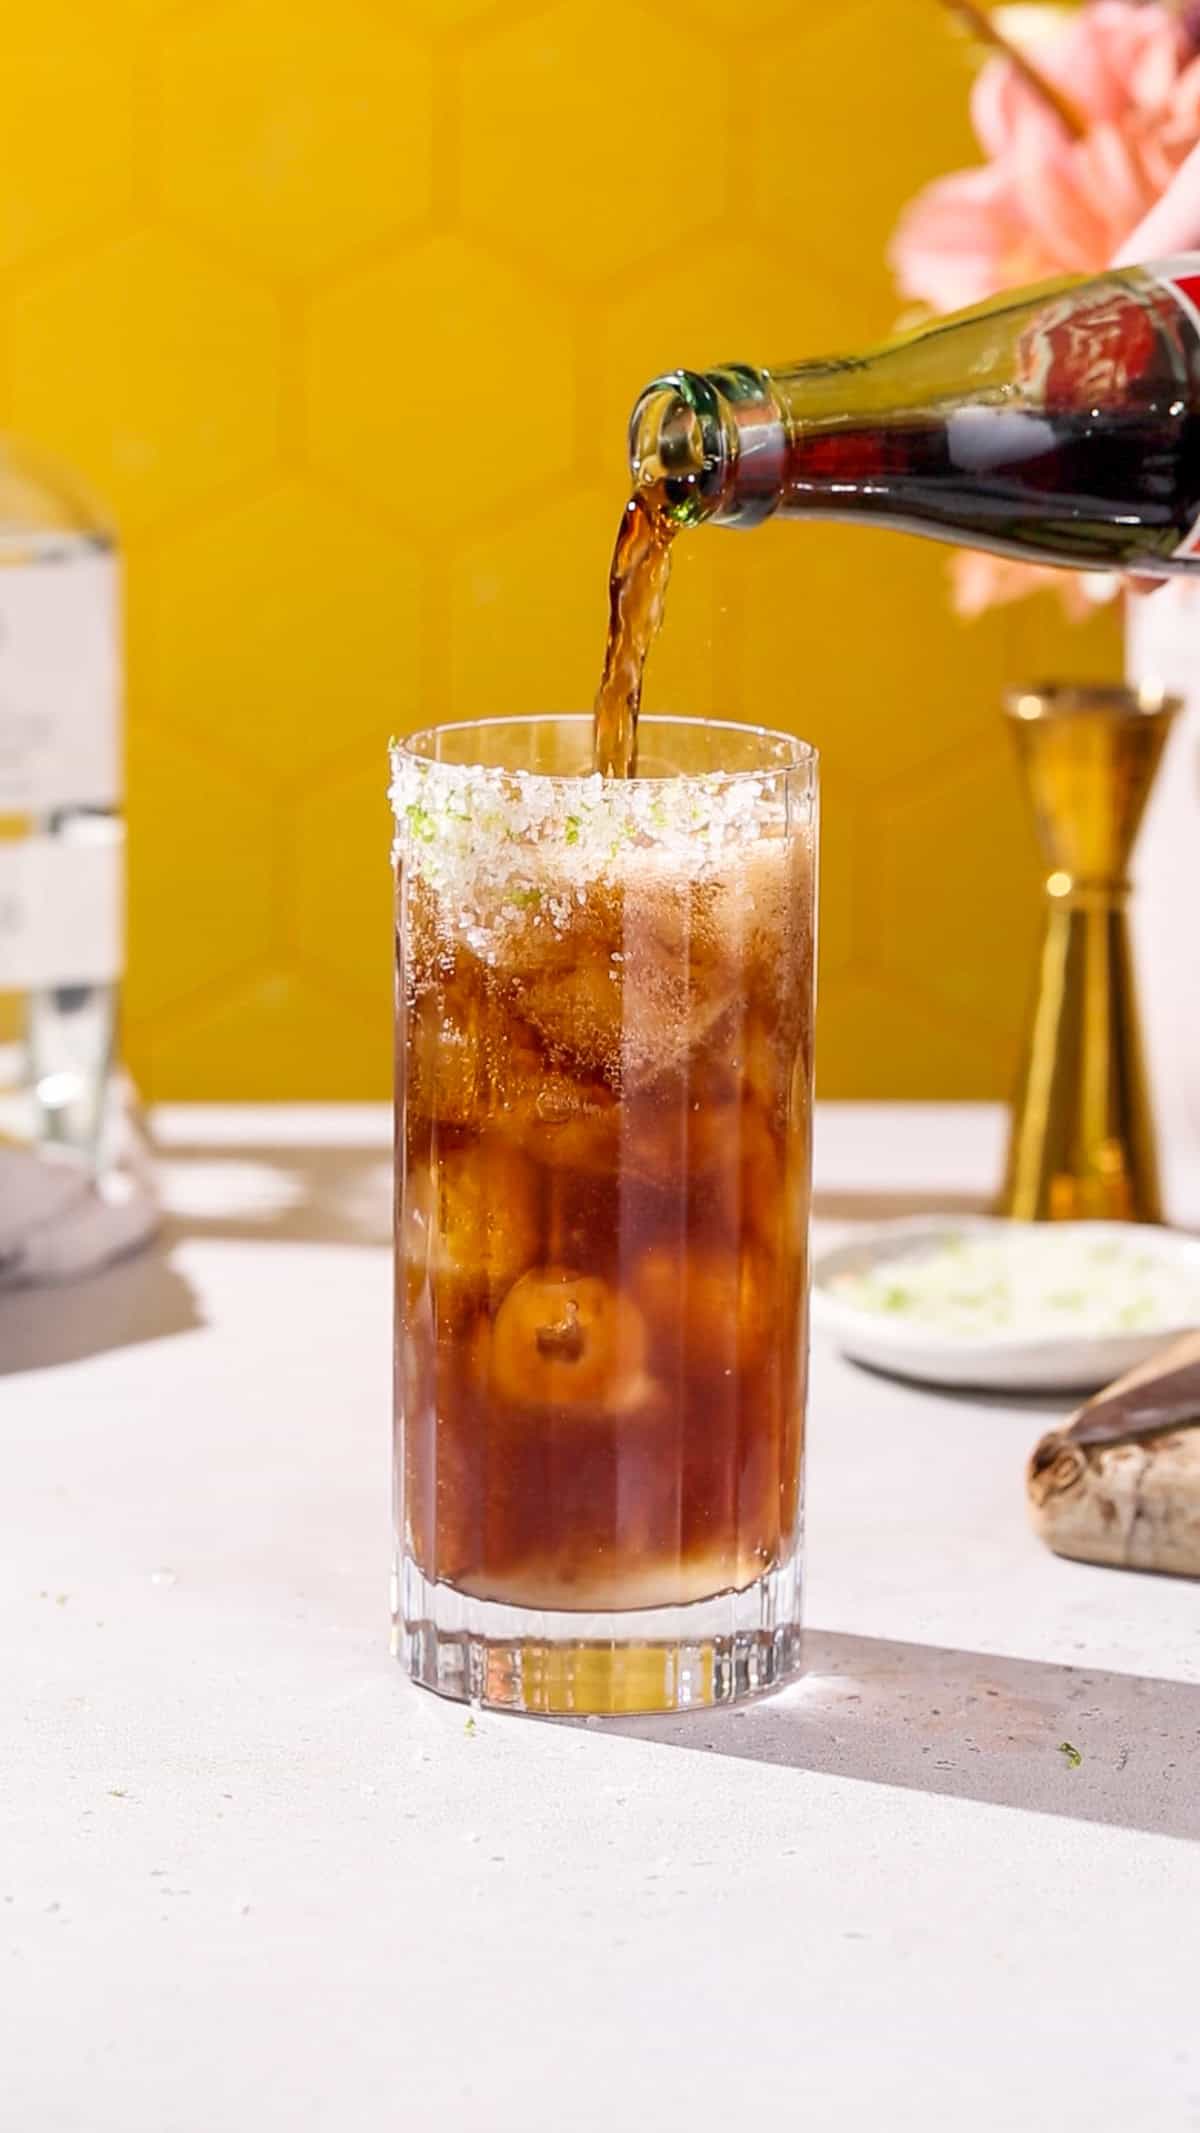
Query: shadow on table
[
  {"x": 252, "y": 1194},
  {"x": 278, "y": 1195},
  {"x": 142, "y": 1298},
  {"x": 971, "y": 1727}
]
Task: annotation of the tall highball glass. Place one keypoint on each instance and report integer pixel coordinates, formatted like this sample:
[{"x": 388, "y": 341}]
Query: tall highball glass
[{"x": 604, "y": 1094}]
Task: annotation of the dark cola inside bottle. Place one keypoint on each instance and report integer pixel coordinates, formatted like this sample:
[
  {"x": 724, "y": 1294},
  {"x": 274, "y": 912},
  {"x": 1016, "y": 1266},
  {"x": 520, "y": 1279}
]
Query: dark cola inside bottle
[{"x": 1060, "y": 425}]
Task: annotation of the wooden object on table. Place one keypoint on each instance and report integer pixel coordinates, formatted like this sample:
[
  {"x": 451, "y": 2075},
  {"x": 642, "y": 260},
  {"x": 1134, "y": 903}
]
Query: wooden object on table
[{"x": 1121, "y": 1485}]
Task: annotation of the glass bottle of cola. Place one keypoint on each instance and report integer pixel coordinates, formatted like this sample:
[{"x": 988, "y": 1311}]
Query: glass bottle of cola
[{"x": 1061, "y": 424}]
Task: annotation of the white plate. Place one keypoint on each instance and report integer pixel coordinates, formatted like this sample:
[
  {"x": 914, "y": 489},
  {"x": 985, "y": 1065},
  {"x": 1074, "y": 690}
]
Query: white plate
[{"x": 1009, "y": 1358}]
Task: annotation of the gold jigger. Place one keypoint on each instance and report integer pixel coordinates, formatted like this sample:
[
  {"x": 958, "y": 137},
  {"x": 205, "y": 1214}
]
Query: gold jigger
[{"x": 1082, "y": 1142}]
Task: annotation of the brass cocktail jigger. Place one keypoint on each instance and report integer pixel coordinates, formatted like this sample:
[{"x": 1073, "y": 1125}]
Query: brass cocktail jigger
[{"x": 1082, "y": 1142}]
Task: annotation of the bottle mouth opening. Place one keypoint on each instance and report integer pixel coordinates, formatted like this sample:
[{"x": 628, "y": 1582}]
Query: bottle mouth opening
[
  {"x": 710, "y": 445},
  {"x": 677, "y": 444}
]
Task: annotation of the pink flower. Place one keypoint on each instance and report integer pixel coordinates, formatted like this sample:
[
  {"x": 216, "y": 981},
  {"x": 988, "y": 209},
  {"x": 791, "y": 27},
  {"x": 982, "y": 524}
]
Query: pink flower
[
  {"x": 1053, "y": 198},
  {"x": 982, "y": 581},
  {"x": 1047, "y": 203}
]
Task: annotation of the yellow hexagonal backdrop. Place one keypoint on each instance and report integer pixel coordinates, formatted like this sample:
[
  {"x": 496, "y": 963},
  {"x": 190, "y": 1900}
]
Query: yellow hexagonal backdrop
[
  {"x": 342, "y": 306},
  {"x": 252, "y": 123},
  {"x": 67, "y": 155}
]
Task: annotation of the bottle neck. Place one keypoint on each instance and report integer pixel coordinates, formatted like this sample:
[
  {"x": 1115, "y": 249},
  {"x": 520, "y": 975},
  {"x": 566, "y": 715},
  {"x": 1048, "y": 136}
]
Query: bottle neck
[
  {"x": 712, "y": 444},
  {"x": 730, "y": 447},
  {"x": 1060, "y": 424}
]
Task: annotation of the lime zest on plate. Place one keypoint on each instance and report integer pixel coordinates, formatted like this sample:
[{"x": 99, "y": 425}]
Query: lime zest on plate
[{"x": 968, "y": 1284}]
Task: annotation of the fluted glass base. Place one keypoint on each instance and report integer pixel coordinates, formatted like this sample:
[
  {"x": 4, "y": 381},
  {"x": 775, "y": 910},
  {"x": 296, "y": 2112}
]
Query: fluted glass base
[{"x": 714, "y": 1651}]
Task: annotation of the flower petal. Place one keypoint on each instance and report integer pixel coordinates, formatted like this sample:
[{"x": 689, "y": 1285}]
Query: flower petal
[
  {"x": 1116, "y": 57},
  {"x": 1002, "y": 105},
  {"x": 953, "y": 240},
  {"x": 1112, "y": 168},
  {"x": 1184, "y": 108},
  {"x": 980, "y": 582},
  {"x": 1067, "y": 222}
]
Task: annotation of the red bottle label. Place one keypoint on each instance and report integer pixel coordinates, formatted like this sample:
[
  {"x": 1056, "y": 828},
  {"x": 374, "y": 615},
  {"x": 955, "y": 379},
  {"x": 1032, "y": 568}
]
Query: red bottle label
[
  {"x": 1079, "y": 354},
  {"x": 1182, "y": 278}
]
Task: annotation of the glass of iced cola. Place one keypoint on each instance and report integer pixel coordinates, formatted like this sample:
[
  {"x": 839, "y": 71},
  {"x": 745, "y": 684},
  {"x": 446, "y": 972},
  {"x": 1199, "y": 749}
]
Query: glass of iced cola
[{"x": 604, "y": 1094}]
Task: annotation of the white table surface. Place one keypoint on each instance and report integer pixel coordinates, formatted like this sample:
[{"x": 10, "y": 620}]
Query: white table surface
[{"x": 250, "y": 1879}]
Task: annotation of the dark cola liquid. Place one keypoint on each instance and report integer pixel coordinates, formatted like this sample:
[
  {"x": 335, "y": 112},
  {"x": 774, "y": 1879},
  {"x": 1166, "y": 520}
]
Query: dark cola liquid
[
  {"x": 601, "y": 1358},
  {"x": 1106, "y": 495},
  {"x": 637, "y": 591}
]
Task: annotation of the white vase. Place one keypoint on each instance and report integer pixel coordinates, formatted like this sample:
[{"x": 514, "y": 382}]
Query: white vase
[{"x": 1163, "y": 646}]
